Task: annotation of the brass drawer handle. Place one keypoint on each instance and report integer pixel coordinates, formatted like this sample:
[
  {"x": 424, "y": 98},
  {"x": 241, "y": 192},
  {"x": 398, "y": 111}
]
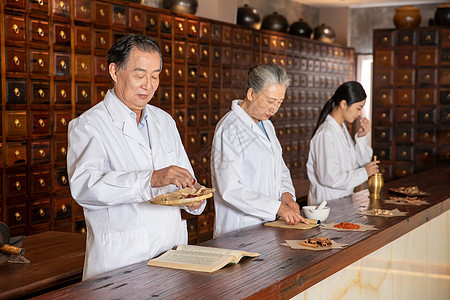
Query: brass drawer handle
[
  {"x": 180, "y": 26},
  {"x": 40, "y": 2},
  {"x": 382, "y": 153},
  {"x": 83, "y": 9},
  {"x": 18, "y": 216},
  {"x": 62, "y": 5},
  {"x": 63, "y": 180},
  {"x": 428, "y": 57},
  {"x": 40, "y": 62},
  {"x": 63, "y": 208},
  {"x": 63, "y": 122},
  {"x": 205, "y": 223},
  {"x": 41, "y": 182},
  {"x": 383, "y": 115},
  {"x": 383, "y": 134},
  {"x": 167, "y": 48},
  {"x": 41, "y": 152},
  {"x": 428, "y": 37},
  {"x": 426, "y": 116},
  {"x": 426, "y": 154},
  {"x": 193, "y": 51},
  {"x": 403, "y": 172},
  {"x": 205, "y": 96},
  {"x": 405, "y": 58},
  {"x": 193, "y": 73},
  {"x": 384, "y": 77},
  {"x": 167, "y": 72},
  {"x": 16, "y": 28},
  {"x": 180, "y": 96},
  {"x": 16, "y": 92},
  {"x": 63, "y": 64},
  {"x": 404, "y": 134},
  {"x": 166, "y": 24},
  {"x": 17, "y": 123},
  {"x": 406, "y": 38},
  {"x": 180, "y": 50},
  {"x": 404, "y": 153},
  {"x": 405, "y": 77},
  {"x": 83, "y": 66},
  {"x": 166, "y": 95},
  {"x": 204, "y": 159},
  {"x": 405, "y": 116},
  {"x": 120, "y": 15},
  {"x": 63, "y": 151},
  {"x": 192, "y": 162},
  {"x": 194, "y": 29},
  {"x": 41, "y": 212},
  {"x": 84, "y": 94},
  {"x": 102, "y": 67},
  {"x": 192, "y": 140},
  {"x": 17, "y": 154},
  {"x": 192, "y": 117},
  {"x": 63, "y": 93},
  {"x": 205, "y": 30},
  {"x": 102, "y": 93},
  {"x": 180, "y": 118},
  {"x": 102, "y": 12},
  {"x": 40, "y": 31},
  {"x": 427, "y": 97},
  {"x": 405, "y": 96},
  {"x": 137, "y": 19},
  {"x": 18, "y": 186},
  {"x": 102, "y": 40},
  {"x": 192, "y": 96},
  {"x": 62, "y": 34},
  {"x": 205, "y": 75},
  {"x": 83, "y": 37},
  {"x": 41, "y": 123},
  {"x": 205, "y": 117},
  {"x": 41, "y": 93},
  {"x": 427, "y": 76},
  {"x": 16, "y": 60},
  {"x": 426, "y": 134},
  {"x": 216, "y": 75},
  {"x": 152, "y": 22}
]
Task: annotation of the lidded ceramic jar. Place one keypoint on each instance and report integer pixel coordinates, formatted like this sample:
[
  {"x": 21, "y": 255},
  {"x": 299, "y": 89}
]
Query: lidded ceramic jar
[
  {"x": 182, "y": 6},
  {"x": 300, "y": 28},
  {"x": 442, "y": 15},
  {"x": 248, "y": 17},
  {"x": 324, "y": 33},
  {"x": 275, "y": 22},
  {"x": 407, "y": 16}
]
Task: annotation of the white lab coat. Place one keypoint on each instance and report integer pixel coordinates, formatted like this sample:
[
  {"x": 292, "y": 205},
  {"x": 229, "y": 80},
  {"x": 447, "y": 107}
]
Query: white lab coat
[
  {"x": 335, "y": 163},
  {"x": 110, "y": 166},
  {"x": 248, "y": 172}
]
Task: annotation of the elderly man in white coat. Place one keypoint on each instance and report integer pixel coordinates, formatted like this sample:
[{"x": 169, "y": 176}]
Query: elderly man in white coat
[
  {"x": 252, "y": 182},
  {"x": 122, "y": 153}
]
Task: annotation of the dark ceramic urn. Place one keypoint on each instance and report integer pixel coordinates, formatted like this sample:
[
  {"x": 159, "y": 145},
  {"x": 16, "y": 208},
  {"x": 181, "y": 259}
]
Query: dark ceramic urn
[
  {"x": 324, "y": 33},
  {"x": 275, "y": 22},
  {"x": 300, "y": 28},
  {"x": 182, "y": 6},
  {"x": 248, "y": 17},
  {"x": 442, "y": 15}
]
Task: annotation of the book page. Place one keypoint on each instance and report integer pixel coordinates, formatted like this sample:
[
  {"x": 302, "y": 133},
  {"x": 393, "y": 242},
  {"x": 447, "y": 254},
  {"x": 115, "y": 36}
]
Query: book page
[
  {"x": 187, "y": 260},
  {"x": 219, "y": 251}
]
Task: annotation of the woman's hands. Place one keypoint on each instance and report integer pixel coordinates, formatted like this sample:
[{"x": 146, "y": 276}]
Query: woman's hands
[
  {"x": 290, "y": 210},
  {"x": 372, "y": 168},
  {"x": 364, "y": 127}
]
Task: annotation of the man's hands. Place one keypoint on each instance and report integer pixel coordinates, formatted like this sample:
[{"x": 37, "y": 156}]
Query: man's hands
[
  {"x": 198, "y": 204},
  {"x": 290, "y": 210},
  {"x": 172, "y": 175}
]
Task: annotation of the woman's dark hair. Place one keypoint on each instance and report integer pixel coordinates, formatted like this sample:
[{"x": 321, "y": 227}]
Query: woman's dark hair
[
  {"x": 119, "y": 53},
  {"x": 350, "y": 91}
]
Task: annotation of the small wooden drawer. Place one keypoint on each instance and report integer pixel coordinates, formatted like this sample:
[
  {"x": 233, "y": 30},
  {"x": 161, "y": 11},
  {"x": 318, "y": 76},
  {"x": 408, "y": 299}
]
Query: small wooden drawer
[
  {"x": 17, "y": 185},
  {"x": 205, "y": 30},
  {"x": 205, "y": 223},
  {"x": 16, "y": 153},
  {"x": 192, "y": 118},
  {"x": 383, "y": 97},
  {"x": 101, "y": 66},
  {"x": 193, "y": 141},
  {"x": 151, "y": 23},
  {"x": 426, "y": 96},
  {"x": 192, "y": 74},
  {"x": 384, "y": 58},
  {"x": 16, "y": 123},
  {"x": 406, "y": 37},
  {"x": 237, "y": 57},
  {"x": 16, "y": 91},
  {"x": 427, "y": 77},
  {"x": 62, "y": 93},
  {"x": 427, "y": 116},
  {"x": 203, "y": 75},
  {"x": 384, "y": 39},
  {"x": 192, "y": 96},
  {"x": 424, "y": 155},
  {"x": 226, "y": 55},
  {"x": 444, "y": 136},
  {"x": 404, "y": 115},
  {"x": 83, "y": 65},
  {"x": 16, "y": 60},
  {"x": 215, "y": 97},
  {"x": 63, "y": 207},
  {"x": 165, "y": 96},
  {"x": 426, "y": 134},
  {"x": 428, "y": 37},
  {"x": 61, "y": 8},
  {"x": 180, "y": 74},
  {"x": 192, "y": 53},
  {"x": 216, "y": 55},
  {"x": 119, "y": 15},
  {"x": 382, "y": 117},
  {"x": 404, "y": 97},
  {"x": 215, "y": 79},
  {"x": 14, "y": 29},
  {"x": 427, "y": 57},
  {"x": 40, "y": 122},
  {"x": 100, "y": 91},
  {"x": 40, "y": 152},
  {"x": 445, "y": 115},
  {"x": 383, "y": 152},
  {"x": 41, "y": 182},
  {"x": 101, "y": 39},
  {"x": 83, "y": 93},
  {"x": 82, "y": 10},
  {"x": 179, "y": 96},
  {"x": 444, "y": 76},
  {"x": 405, "y": 77},
  {"x": 216, "y": 32},
  {"x": 82, "y": 38},
  {"x": 40, "y": 93},
  {"x": 193, "y": 28},
  {"x": 203, "y": 96},
  {"x": 39, "y": 31},
  {"x": 180, "y": 49},
  {"x": 135, "y": 19},
  {"x": 62, "y": 34},
  {"x": 40, "y": 211},
  {"x": 180, "y": 26},
  {"x": 382, "y": 78},
  {"x": 60, "y": 150},
  {"x": 403, "y": 170},
  {"x": 165, "y": 23},
  {"x": 215, "y": 117},
  {"x": 61, "y": 180},
  {"x": 404, "y": 153},
  {"x": 15, "y": 4},
  {"x": 406, "y": 56},
  {"x": 404, "y": 134},
  {"x": 39, "y": 62},
  {"x": 166, "y": 74},
  {"x": 192, "y": 227},
  {"x": 80, "y": 225},
  {"x": 226, "y": 77},
  {"x": 101, "y": 13},
  {"x": 16, "y": 215},
  {"x": 383, "y": 134},
  {"x": 386, "y": 170},
  {"x": 180, "y": 118},
  {"x": 39, "y": 5},
  {"x": 166, "y": 48},
  {"x": 444, "y": 96},
  {"x": 445, "y": 37},
  {"x": 62, "y": 64},
  {"x": 62, "y": 119}
]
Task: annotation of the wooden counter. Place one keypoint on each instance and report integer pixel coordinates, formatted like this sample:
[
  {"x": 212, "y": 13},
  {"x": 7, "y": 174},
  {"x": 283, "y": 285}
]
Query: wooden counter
[
  {"x": 56, "y": 259},
  {"x": 279, "y": 272}
]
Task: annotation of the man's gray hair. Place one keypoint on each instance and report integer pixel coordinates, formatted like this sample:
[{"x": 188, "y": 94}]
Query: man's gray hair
[{"x": 260, "y": 76}]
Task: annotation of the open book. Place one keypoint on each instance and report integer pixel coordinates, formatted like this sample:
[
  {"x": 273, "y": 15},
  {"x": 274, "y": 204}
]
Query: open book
[{"x": 199, "y": 258}]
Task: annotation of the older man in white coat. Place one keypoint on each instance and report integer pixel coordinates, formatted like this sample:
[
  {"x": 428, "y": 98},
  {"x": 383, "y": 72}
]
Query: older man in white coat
[{"x": 122, "y": 153}]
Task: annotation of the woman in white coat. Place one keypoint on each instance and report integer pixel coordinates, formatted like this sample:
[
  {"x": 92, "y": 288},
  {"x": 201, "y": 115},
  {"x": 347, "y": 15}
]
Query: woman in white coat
[
  {"x": 336, "y": 164},
  {"x": 122, "y": 153},
  {"x": 252, "y": 182}
]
